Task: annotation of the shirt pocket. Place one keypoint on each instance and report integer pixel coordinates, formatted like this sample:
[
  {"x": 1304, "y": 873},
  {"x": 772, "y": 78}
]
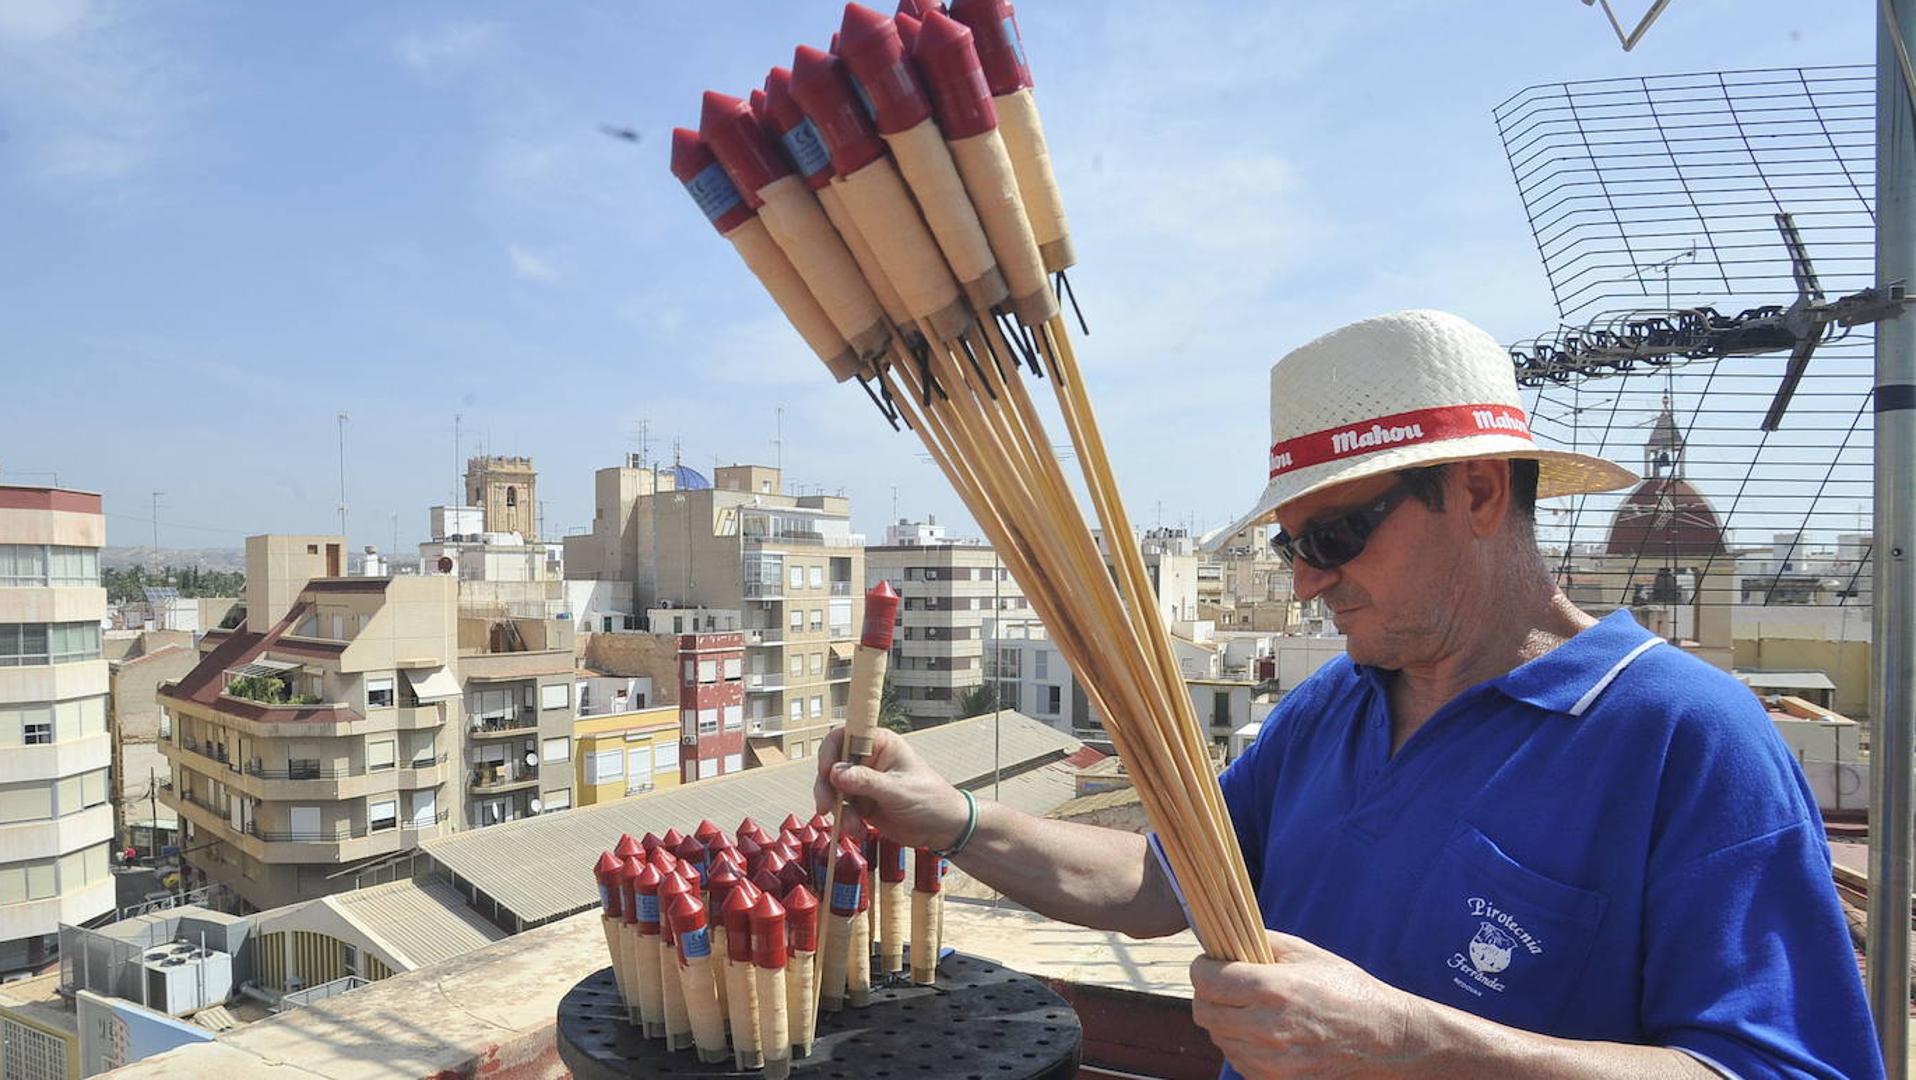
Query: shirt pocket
[{"x": 1495, "y": 938}]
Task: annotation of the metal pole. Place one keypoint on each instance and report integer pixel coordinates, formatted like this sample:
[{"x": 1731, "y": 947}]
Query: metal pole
[
  {"x": 1893, "y": 592},
  {"x": 342, "y": 480}
]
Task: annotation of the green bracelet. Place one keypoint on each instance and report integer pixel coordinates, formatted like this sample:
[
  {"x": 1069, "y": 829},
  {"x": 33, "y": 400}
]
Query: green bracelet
[{"x": 971, "y": 826}]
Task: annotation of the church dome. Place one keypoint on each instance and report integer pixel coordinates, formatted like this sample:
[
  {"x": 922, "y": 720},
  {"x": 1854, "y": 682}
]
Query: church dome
[{"x": 1665, "y": 517}]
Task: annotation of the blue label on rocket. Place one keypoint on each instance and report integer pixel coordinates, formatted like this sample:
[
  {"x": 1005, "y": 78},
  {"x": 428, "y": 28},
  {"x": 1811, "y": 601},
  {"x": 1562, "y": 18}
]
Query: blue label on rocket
[
  {"x": 648, "y": 909},
  {"x": 713, "y": 191},
  {"x": 696, "y": 944},
  {"x": 844, "y": 897},
  {"x": 806, "y": 148},
  {"x": 1017, "y": 45}
]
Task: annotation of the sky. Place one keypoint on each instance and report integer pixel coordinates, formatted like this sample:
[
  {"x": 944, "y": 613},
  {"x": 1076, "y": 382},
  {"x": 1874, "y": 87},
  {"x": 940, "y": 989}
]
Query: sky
[{"x": 222, "y": 224}]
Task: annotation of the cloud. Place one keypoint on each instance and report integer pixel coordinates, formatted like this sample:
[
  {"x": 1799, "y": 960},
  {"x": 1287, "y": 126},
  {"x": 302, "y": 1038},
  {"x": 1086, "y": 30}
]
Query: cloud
[
  {"x": 91, "y": 93},
  {"x": 530, "y": 266},
  {"x": 435, "y": 53}
]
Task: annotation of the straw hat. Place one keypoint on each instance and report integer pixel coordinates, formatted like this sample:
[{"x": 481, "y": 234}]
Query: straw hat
[{"x": 1400, "y": 391}]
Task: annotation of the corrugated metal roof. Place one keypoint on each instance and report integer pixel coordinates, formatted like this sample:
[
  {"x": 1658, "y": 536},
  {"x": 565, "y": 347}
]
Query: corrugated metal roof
[
  {"x": 540, "y": 868},
  {"x": 423, "y": 922}
]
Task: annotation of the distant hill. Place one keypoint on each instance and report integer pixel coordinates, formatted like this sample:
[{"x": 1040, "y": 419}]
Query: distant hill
[{"x": 145, "y": 555}]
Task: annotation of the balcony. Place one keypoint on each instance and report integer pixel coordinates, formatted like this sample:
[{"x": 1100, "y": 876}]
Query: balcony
[
  {"x": 764, "y": 636},
  {"x": 763, "y": 590},
  {"x": 838, "y": 670},
  {"x": 755, "y": 682},
  {"x": 841, "y": 588},
  {"x": 523, "y": 720},
  {"x": 493, "y": 779}
]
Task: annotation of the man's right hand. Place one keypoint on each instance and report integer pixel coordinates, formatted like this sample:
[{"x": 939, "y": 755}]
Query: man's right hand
[{"x": 894, "y": 790}]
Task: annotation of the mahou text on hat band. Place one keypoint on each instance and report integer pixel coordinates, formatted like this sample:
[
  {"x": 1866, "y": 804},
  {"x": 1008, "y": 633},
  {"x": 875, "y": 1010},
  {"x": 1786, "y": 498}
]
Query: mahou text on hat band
[{"x": 1398, "y": 429}]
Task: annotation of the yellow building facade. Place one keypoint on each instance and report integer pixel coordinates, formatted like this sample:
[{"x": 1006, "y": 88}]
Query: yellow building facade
[{"x": 626, "y": 753}]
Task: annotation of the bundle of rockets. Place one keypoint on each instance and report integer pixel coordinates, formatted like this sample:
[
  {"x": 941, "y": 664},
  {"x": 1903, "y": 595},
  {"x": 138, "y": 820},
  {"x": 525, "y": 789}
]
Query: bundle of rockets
[{"x": 714, "y": 938}]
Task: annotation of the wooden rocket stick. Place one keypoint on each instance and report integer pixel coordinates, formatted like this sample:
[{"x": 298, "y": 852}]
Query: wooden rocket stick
[
  {"x": 861, "y": 716},
  {"x": 742, "y": 998},
  {"x": 894, "y": 904},
  {"x": 694, "y": 940},
  {"x": 801, "y": 977},
  {"x": 768, "y": 970}
]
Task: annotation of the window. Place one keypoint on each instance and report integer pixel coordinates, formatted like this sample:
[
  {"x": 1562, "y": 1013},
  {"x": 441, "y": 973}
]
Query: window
[
  {"x": 797, "y": 623},
  {"x": 32, "y": 644},
  {"x": 604, "y": 766},
  {"x": 796, "y": 577},
  {"x": 40, "y": 564},
  {"x": 734, "y": 762},
  {"x": 798, "y": 710},
  {"x": 305, "y": 822},
  {"x": 734, "y": 667},
  {"x": 27, "y": 881},
  {"x": 818, "y": 707},
  {"x": 556, "y": 800},
  {"x": 425, "y": 809},
  {"x": 708, "y": 768},
  {"x": 512, "y": 496},
  {"x": 379, "y": 693},
  {"x": 689, "y": 723},
  {"x": 557, "y": 748},
  {"x": 556, "y": 695},
  {"x": 708, "y": 721},
  {"x": 691, "y": 671},
  {"x": 1052, "y": 700},
  {"x": 381, "y": 755},
  {"x": 734, "y": 717},
  {"x": 1041, "y": 665},
  {"x": 796, "y": 750},
  {"x": 93, "y": 788},
  {"x": 818, "y": 619},
  {"x": 797, "y": 666},
  {"x": 818, "y": 663},
  {"x": 817, "y": 575},
  {"x": 638, "y": 769},
  {"x": 840, "y": 612},
  {"x": 25, "y": 802},
  {"x": 423, "y": 754},
  {"x": 382, "y": 815},
  {"x": 665, "y": 756},
  {"x": 37, "y": 733},
  {"x": 302, "y": 768}
]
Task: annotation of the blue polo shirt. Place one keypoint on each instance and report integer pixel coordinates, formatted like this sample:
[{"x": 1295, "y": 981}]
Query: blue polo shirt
[{"x": 1609, "y": 842}]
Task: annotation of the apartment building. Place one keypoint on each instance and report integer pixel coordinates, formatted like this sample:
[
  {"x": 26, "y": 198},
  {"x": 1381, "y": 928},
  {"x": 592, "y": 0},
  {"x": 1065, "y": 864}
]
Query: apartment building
[
  {"x": 347, "y": 718},
  {"x": 790, "y": 565},
  {"x": 626, "y": 752},
  {"x": 56, "y": 824},
  {"x": 949, "y": 592}
]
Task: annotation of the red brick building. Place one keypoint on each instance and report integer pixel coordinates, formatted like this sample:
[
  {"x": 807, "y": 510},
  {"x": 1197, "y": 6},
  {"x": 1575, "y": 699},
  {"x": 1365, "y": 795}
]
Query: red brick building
[{"x": 711, "y": 704}]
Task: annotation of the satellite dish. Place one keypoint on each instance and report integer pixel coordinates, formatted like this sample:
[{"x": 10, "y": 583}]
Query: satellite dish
[
  {"x": 534, "y": 805},
  {"x": 445, "y": 564},
  {"x": 532, "y": 759}
]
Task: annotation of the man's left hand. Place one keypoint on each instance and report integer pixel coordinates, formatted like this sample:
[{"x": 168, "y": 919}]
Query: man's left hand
[{"x": 1312, "y": 1013}]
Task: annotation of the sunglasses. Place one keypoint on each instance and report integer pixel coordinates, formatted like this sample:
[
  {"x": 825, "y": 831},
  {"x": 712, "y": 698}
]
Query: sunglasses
[{"x": 1341, "y": 539}]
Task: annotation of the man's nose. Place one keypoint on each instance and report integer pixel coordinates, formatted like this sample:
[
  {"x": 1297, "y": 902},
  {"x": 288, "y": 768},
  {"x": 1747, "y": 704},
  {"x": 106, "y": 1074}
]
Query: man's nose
[{"x": 1308, "y": 581}]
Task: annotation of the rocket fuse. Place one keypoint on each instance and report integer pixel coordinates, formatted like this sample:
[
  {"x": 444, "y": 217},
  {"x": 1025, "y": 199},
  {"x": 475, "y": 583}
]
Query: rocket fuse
[
  {"x": 801, "y": 923},
  {"x": 694, "y": 940},
  {"x": 969, "y": 122},
  {"x": 768, "y": 970},
  {"x": 875, "y": 196},
  {"x": 742, "y": 996},
  {"x": 761, "y": 174},
  {"x": 927, "y": 915},
  {"x": 994, "y": 29},
  {"x": 712, "y": 190},
  {"x": 871, "y": 49}
]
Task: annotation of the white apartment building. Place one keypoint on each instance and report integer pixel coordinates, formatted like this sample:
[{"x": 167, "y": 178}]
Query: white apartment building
[
  {"x": 56, "y": 821},
  {"x": 948, "y": 591}
]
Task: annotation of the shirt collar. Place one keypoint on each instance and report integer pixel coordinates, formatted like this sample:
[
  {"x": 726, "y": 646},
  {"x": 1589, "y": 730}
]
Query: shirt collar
[{"x": 1566, "y": 676}]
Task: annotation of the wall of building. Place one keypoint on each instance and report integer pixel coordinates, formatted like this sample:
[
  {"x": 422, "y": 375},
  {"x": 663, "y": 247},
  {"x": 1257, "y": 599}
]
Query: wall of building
[
  {"x": 653, "y": 656},
  {"x": 278, "y": 568},
  {"x": 644, "y": 744}
]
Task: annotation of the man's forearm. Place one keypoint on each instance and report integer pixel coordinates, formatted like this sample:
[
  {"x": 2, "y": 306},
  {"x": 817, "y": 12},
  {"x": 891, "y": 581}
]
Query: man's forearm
[
  {"x": 1080, "y": 874},
  {"x": 1451, "y": 1042}
]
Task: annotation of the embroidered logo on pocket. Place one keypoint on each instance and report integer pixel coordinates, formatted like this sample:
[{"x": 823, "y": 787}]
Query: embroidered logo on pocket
[
  {"x": 1490, "y": 949},
  {"x": 1498, "y": 937}
]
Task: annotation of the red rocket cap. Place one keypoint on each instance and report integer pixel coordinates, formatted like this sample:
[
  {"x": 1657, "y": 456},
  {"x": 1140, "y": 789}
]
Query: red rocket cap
[
  {"x": 737, "y": 912},
  {"x": 705, "y": 180},
  {"x": 628, "y": 890},
  {"x": 643, "y": 886},
  {"x": 790, "y": 824},
  {"x": 927, "y": 873},
  {"x": 891, "y": 860},
  {"x": 742, "y": 147},
  {"x": 848, "y": 883},
  {"x": 918, "y": 9},
  {"x": 954, "y": 78},
  {"x": 881, "y": 612},
  {"x": 663, "y": 858},
  {"x": 794, "y": 872},
  {"x": 786, "y": 122},
  {"x": 823, "y": 88},
  {"x": 689, "y": 850},
  {"x": 801, "y": 918},
  {"x": 756, "y": 99},
  {"x": 649, "y": 841},
  {"x": 820, "y": 821},
  {"x": 672, "y": 839},
  {"x": 768, "y": 881},
  {"x": 747, "y": 827},
  {"x": 869, "y": 44},
  {"x": 1000, "y": 47},
  {"x": 804, "y": 835},
  {"x": 706, "y": 830},
  {"x": 606, "y": 872},
  {"x": 759, "y": 834},
  {"x": 671, "y": 887},
  {"x": 908, "y": 27},
  {"x": 721, "y": 883},
  {"x": 750, "y": 848},
  {"x": 627, "y": 847},
  {"x": 768, "y": 932}
]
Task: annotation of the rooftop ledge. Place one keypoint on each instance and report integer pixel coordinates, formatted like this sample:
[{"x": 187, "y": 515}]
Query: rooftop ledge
[{"x": 491, "y": 1012}]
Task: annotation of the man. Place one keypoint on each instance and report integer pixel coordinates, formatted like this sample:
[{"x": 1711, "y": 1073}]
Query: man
[{"x": 1499, "y": 837}]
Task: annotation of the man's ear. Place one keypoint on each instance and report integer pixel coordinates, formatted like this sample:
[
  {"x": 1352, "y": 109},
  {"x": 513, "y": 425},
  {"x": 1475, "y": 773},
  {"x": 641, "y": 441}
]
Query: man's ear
[{"x": 1483, "y": 493}]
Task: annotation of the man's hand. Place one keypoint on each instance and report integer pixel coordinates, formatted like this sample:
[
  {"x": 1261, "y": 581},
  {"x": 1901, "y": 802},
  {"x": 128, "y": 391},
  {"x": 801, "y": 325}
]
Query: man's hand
[
  {"x": 894, "y": 790},
  {"x": 1312, "y": 1013}
]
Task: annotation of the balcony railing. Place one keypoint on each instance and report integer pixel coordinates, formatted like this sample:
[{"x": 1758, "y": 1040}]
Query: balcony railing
[
  {"x": 838, "y": 712},
  {"x": 341, "y": 832},
  {"x": 496, "y": 778},
  {"x": 764, "y": 636},
  {"x": 838, "y": 670},
  {"x": 768, "y": 681},
  {"x": 764, "y": 590},
  {"x": 314, "y": 771},
  {"x": 841, "y": 588},
  {"x": 522, "y": 719}
]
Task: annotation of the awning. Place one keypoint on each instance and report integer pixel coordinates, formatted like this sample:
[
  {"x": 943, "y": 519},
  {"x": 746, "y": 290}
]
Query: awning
[
  {"x": 1786, "y": 680},
  {"x": 432, "y": 684},
  {"x": 844, "y": 650}
]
